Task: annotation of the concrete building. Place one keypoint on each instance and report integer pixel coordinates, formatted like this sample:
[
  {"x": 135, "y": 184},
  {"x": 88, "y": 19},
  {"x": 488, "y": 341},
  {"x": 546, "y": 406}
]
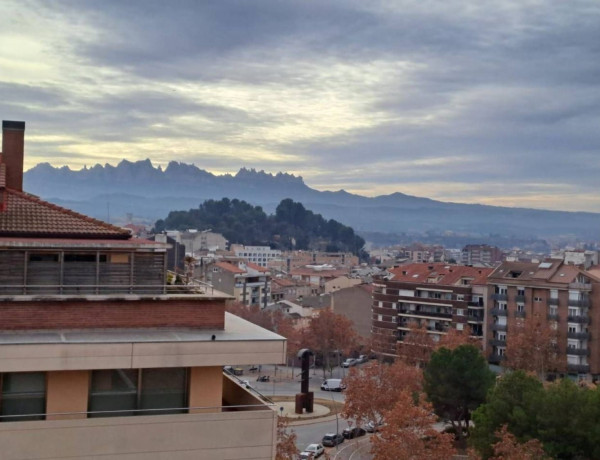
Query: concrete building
[
  {"x": 248, "y": 283},
  {"x": 340, "y": 282},
  {"x": 291, "y": 260},
  {"x": 559, "y": 295},
  {"x": 259, "y": 255},
  {"x": 481, "y": 255},
  {"x": 204, "y": 240},
  {"x": 99, "y": 358},
  {"x": 318, "y": 275},
  {"x": 436, "y": 296},
  {"x": 288, "y": 289},
  {"x": 354, "y": 302}
]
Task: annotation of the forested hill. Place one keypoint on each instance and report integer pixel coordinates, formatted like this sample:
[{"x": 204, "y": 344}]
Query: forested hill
[{"x": 291, "y": 227}]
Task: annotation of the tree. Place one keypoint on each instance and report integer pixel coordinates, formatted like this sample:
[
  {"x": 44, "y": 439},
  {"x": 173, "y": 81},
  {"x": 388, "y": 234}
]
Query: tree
[
  {"x": 532, "y": 347},
  {"x": 456, "y": 382},
  {"x": 513, "y": 402},
  {"x": 455, "y": 338},
  {"x": 286, "y": 441},
  {"x": 374, "y": 388},
  {"x": 416, "y": 346},
  {"x": 409, "y": 433},
  {"x": 330, "y": 332},
  {"x": 508, "y": 448}
]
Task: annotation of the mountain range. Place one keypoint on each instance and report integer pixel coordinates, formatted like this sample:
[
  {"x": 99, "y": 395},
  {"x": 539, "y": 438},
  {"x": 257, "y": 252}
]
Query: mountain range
[{"x": 149, "y": 193}]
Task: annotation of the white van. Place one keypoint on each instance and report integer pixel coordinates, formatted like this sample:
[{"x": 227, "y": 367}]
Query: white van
[{"x": 333, "y": 385}]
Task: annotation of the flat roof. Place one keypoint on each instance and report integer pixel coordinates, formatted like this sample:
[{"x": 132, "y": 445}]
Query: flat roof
[{"x": 236, "y": 329}]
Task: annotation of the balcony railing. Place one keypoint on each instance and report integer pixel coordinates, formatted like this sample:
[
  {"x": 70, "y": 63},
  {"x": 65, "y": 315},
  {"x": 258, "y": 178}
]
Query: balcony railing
[
  {"x": 520, "y": 298},
  {"x": 425, "y": 313},
  {"x": 553, "y": 316},
  {"x": 495, "y": 358},
  {"x": 553, "y": 301},
  {"x": 584, "y": 302},
  {"x": 499, "y": 327},
  {"x": 500, "y": 296},
  {"x": 579, "y": 368},
  {"x": 578, "y": 351},
  {"x": 583, "y": 286},
  {"x": 520, "y": 314},
  {"x": 581, "y": 319},
  {"x": 498, "y": 342},
  {"x": 194, "y": 287},
  {"x": 499, "y": 312},
  {"x": 578, "y": 335}
]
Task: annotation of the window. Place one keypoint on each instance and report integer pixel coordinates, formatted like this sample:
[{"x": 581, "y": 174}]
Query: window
[
  {"x": 520, "y": 307},
  {"x": 379, "y": 317},
  {"x": 43, "y": 257},
  {"x": 79, "y": 257},
  {"x": 460, "y": 297},
  {"x": 537, "y": 299},
  {"x": 520, "y": 291},
  {"x": 459, "y": 326},
  {"x": 120, "y": 392},
  {"x": 23, "y": 393},
  {"x": 460, "y": 312}
]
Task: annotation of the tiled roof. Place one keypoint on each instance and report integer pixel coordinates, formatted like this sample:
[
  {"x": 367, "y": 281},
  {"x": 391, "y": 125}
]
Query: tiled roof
[
  {"x": 230, "y": 267},
  {"x": 256, "y": 267},
  {"x": 444, "y": 274},
  {"x": 24, "y": 215}
]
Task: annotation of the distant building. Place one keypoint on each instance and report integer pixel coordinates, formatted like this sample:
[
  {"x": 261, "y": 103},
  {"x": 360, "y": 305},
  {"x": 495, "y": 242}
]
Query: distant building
[
  {"x": 288, "y": 289},
  {"x": 340, "y": 282},
  {"x": 249, "y": 283},
  {"x": 175, "y": 252},
  {"x": 291, "y": 260},
  {"x": 579, "y": 257},
  {"x": 354, "y": 303},
  {"x": 481, "y": 255},
  {"x": 318, "y": 275},
  {"x": 259, "y": 255},
  {"x": 435, "y": 296},
  {"x": 562, "y": 296}
]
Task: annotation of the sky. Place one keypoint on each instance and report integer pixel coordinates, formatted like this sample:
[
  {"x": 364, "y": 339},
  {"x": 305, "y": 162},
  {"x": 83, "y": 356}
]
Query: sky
[{"x": 492, "y": 102}]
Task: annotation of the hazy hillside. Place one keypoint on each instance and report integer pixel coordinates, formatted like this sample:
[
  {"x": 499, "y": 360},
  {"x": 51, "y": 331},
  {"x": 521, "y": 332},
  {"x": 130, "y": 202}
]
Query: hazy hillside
[{"x": 151, "y": 193}]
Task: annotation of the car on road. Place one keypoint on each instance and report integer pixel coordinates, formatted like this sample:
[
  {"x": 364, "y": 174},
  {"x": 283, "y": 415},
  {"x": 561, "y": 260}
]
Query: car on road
[
  {"x": 312, "y": 451},
  {"x": 332, "y": 439},
  {"x": 351, "y": 433},
  {"x": 362, "y": 359},
  {"x": 333, "y": 385},
  {"x": 349, "y": 362},
  {"x": 373, "y": 426}
]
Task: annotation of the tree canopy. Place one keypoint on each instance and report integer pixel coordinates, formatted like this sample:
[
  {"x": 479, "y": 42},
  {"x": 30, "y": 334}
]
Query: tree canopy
[{"x": 291, "y": 227}]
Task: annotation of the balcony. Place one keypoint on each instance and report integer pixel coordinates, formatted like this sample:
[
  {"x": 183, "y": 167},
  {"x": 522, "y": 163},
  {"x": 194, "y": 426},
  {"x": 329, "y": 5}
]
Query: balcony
[
  {"x": 581, "y": 319},
  {"x": 578, "y": 368},
  {"x": 578, "y": 351},
  {"x": 520, "y": 314},
  {"x": 425, "y": 313},
  {"x": 583, "y": 302},
  {"x": 578, "y": 335},
  {"x": 495, "y": 358},
  {"x": 553, "y": 301},
  {"x": 499, "y": 327},
  {"x": 582, "y": 286},
  {"x": 499, "y": 312},
  {"x": 498, "y": 342},
  {"x": 499, "y": 296},
  {"x": 552, "y": 316},
  {"x": 520, "y": 298}
]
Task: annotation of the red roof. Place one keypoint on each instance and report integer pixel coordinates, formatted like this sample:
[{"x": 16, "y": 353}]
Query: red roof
[
  {"x": 229, "y": 267},
  {"x": 256, "y": 267},
  {"x": 444, "y": 274},
  {"x": 24, "y": 215}
]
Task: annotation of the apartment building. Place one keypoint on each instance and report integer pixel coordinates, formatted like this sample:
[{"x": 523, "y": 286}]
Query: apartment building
[
  {"x": 436, "y": 296},
  {"x": 481, "y": 255},
  {"x": 562, "y": 296},
  {"x": 248, "y": 283},
  {"x": 259, "y": 255},
  {"x": 99, "y": 358}
]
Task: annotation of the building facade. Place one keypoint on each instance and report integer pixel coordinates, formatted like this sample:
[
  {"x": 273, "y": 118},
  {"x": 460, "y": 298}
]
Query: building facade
[
  {"x": 248, "y": 283},
  {"x": 259, "y": 255},
  {"x": 481, "y": 255},
  {"x": 99, "y": 358},
  {"x": 434, "y": 296},
  {"x": 557, "y": 295}
]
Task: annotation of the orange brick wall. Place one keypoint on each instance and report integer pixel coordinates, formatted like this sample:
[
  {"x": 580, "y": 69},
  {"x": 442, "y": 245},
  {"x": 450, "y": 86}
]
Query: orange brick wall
[{"x": 81, "y": 314}]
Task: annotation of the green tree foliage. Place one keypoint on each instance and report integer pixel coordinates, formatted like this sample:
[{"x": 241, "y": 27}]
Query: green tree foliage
[
  {"x": 564, "y": 416},
  {"x": 456, "y": 383},
  {"x": 291, "y": 227}
]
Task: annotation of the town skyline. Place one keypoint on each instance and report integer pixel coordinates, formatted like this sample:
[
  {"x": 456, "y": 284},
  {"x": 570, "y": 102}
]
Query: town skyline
[{"x": 457, "y": 102}]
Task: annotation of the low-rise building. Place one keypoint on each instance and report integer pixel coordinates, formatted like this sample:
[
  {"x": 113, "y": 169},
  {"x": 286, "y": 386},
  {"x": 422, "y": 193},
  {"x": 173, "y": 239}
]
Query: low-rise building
[
  {"x": 259, "y": 255},
  {"x": 248, "y": 283}
]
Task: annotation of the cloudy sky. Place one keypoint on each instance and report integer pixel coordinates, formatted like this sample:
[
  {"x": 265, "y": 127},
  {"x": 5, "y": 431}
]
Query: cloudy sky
[{"x": 494, "y": 102}]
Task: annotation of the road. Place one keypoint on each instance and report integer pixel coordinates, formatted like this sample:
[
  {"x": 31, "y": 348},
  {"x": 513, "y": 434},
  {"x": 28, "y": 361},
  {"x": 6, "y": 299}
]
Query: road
[{"x": 311, "y": 431}]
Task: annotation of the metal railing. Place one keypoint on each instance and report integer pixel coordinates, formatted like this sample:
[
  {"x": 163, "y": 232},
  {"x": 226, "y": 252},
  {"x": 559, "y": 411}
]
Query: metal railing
[
  {"x": 552, "y": 316},
  {"x": 498, "y": 342},
  {"x": 581, "y": 319},
  {"x": 578, "y": 335},
  {"x": 583, "y": 302},
  {"x": 499, "y": 312},
  {"x": 579, "y": 368},
  {"x": 553, "y": 301},
  {"x": 500, "y": 296},
  {"x": 520, "y": 298},
  {"x": 495, "y": 358},
  {"x": 193, "y": 287},
  {"x": 499, "y": 327},
  {"x": 578, "y": 351},
  {"x": 520, "y": 314}
]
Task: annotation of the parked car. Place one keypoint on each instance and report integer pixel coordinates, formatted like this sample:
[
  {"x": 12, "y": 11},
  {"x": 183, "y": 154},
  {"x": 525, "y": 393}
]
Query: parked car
[
  {"x": 333, "y": 385},
  {"x": 373, "y": 426},
  {"x": 312, "y": 451},
  {"x": 349, "y": 362},
  {"x": 362, "y": 359},
  {"x": 332, "y": 439},
  {"x": 351, "y": 433}
]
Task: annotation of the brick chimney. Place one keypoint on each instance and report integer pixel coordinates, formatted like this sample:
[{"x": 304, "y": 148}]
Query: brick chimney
[{"x": 13, "y": 139}]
